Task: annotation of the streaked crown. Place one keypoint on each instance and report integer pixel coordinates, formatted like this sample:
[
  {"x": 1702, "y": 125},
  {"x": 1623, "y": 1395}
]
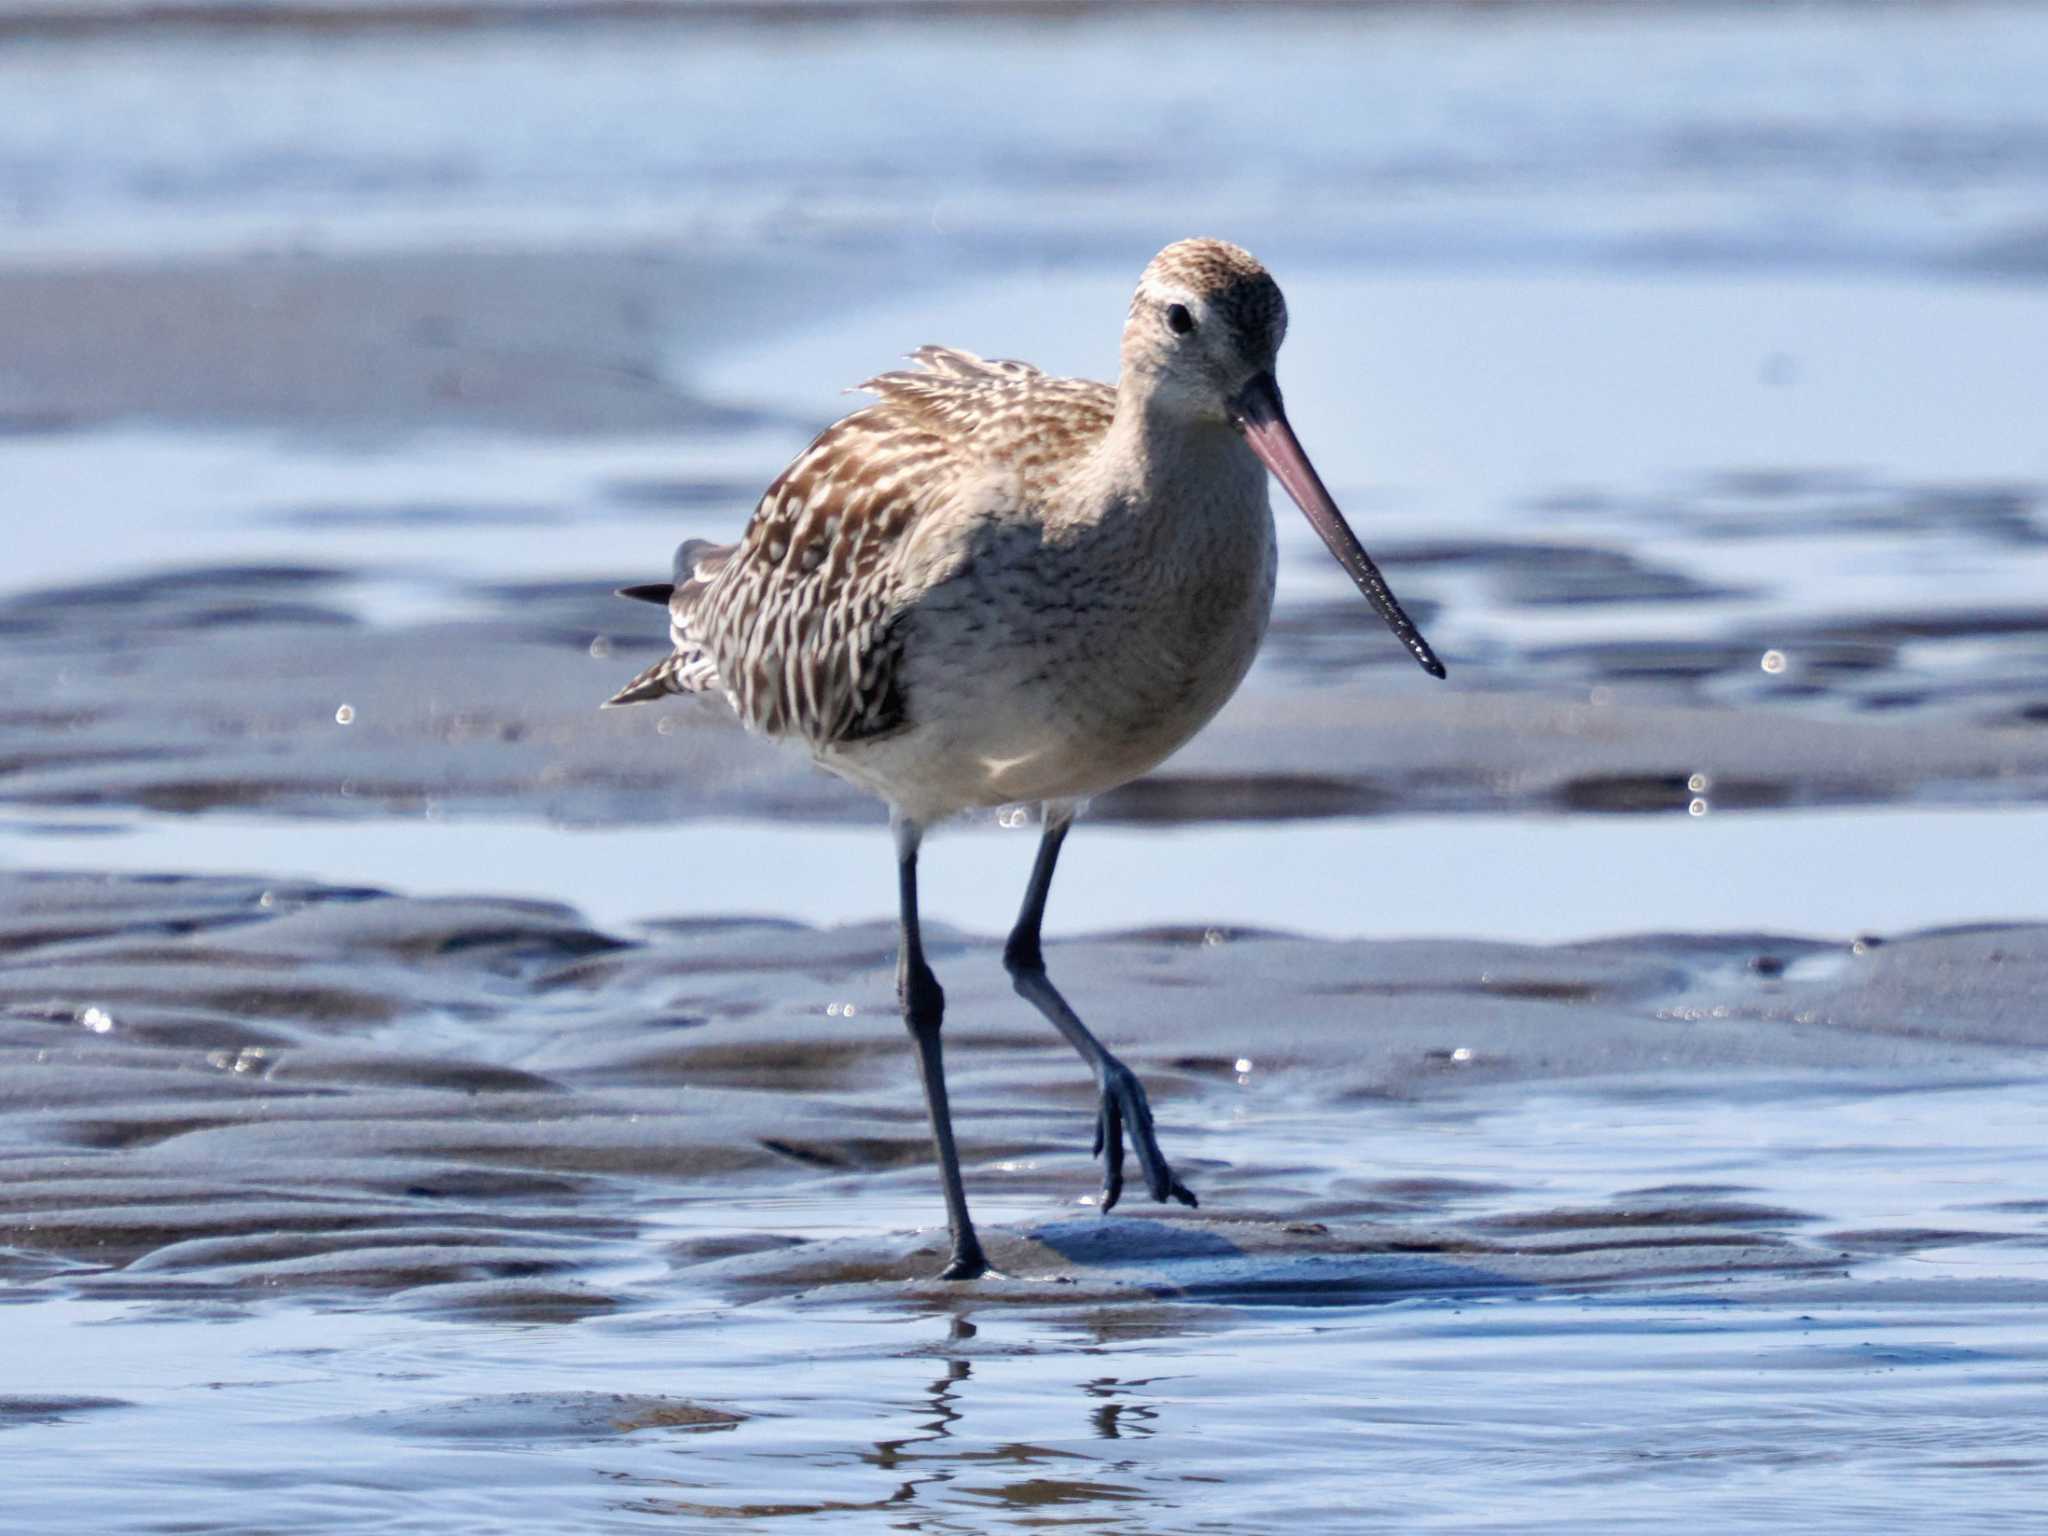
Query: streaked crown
[{"x": 1205, "y": 318}]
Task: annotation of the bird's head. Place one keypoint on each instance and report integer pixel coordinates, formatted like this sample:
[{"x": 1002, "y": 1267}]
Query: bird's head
[
  {"x": 1206, "y": 319},
  {"x": 1204, "y": 330}
]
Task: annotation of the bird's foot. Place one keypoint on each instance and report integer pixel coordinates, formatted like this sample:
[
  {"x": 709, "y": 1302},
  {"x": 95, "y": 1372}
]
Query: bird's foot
[
  {"x": 968, "y": 1263},
  {"x": 1124, "y": 1108}
]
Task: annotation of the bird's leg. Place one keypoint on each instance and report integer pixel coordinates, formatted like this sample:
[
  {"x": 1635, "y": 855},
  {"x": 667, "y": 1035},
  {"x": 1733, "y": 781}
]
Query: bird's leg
[
  {"x": 1123, "y": 1107},
  {"x": 924, "y": 1009}
]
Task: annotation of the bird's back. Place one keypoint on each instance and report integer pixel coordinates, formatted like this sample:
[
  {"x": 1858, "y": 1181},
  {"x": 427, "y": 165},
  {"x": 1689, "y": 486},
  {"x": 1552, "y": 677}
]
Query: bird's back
[{"x": 800, "y": 623}]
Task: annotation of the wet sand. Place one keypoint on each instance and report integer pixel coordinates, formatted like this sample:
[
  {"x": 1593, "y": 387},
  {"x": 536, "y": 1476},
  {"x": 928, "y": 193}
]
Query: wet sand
[
  {"x": 380, "y": 344},
  {"x": 330, "y": 717},
  {"x": 496, "y": 1149}
]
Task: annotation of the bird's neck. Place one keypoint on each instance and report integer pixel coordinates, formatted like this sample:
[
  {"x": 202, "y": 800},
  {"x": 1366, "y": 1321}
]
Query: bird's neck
[{"x": 1170, "y": 461}]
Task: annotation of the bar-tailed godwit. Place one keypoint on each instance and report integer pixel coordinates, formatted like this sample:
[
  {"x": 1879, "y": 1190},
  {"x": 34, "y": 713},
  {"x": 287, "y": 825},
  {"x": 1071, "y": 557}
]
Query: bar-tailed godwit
[{"x": 993, "y": 587}]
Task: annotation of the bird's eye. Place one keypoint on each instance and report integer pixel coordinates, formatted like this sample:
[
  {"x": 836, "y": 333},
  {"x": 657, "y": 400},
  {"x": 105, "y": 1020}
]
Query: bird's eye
[{"x": 1178, "y": 320}]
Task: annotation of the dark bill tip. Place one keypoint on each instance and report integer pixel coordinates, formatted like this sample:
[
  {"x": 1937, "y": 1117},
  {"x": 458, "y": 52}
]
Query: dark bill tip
[
  {"x": 652, "y": 592},
  {"x": 1258, "y": 414}
]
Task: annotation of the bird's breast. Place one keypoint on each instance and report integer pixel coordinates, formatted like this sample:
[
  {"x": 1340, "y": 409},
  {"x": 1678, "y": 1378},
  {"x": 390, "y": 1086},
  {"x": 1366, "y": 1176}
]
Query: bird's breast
[
  {"x": 1189, "y": 643},
  {"x": 1062, "y": 666}
]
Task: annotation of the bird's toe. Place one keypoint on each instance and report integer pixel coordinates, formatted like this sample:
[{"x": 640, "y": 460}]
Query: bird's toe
[{"x": 1125, "y": 1108}]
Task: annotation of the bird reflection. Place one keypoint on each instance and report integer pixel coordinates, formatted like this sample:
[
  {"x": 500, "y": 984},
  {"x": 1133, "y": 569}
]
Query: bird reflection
[
  {"x": 1114, "y": 1420},
  {"x": 1111, "y": 1417},
  {"x": 890, "y": 1454}
]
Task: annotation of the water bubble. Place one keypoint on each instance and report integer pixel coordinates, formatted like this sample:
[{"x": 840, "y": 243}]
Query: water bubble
[
  {"x": 345, "y": 715},
  {"x": 1774, "y": 661},
  {"x": 1013, "y": 816},
  {"x": 1213, "y": 936},
  {"x": 1699, "y": 783},
  {"x": 665, "y": 726},
  {"x": 1244, "y": 1063},
  {"x": 267, "y": 900},
  {"x": 1697, "y": 808},
  {"x": 600, "y": 648},
  {"x": 98, "y": 1020},
  {"x": 841, "y": 1010},
  {"x": 1462, "y": 1053}
]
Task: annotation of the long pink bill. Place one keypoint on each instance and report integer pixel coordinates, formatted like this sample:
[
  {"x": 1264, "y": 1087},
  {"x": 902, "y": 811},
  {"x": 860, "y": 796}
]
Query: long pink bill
[{"x": 1259, "y": 415}]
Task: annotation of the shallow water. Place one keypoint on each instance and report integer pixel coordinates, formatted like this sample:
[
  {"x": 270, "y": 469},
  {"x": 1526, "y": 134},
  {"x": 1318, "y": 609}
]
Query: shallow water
[
  {"x": 1612, "y": 1080},
  {"x": 1804, "y": 1408},
  {"x": 1526, "y": 878},
  {"x": 1674, "y": 134}
]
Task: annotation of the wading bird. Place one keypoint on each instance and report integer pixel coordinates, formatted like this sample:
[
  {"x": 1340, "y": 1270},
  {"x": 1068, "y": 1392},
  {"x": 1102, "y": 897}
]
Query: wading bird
[{"x": 992, "y": 587}]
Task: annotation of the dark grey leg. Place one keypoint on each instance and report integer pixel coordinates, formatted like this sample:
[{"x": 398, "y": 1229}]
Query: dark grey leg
[
  {"x": 924, "y": 1009},
  {"x": 1124, "y": 1107}
]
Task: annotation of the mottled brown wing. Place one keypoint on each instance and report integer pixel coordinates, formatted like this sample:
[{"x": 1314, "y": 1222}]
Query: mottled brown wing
[
  {"x": 799, "y": 623},
  {"x": 804, "y": 622},
  {"x": 993, "y": 408}
]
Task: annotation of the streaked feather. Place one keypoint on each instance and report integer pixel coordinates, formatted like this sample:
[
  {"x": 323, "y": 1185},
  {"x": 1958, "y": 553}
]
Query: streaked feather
[{"x": 799, "y": 623}]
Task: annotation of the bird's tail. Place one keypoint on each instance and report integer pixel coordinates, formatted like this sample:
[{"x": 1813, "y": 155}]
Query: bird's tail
[{"x": 687, "y": 669}]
